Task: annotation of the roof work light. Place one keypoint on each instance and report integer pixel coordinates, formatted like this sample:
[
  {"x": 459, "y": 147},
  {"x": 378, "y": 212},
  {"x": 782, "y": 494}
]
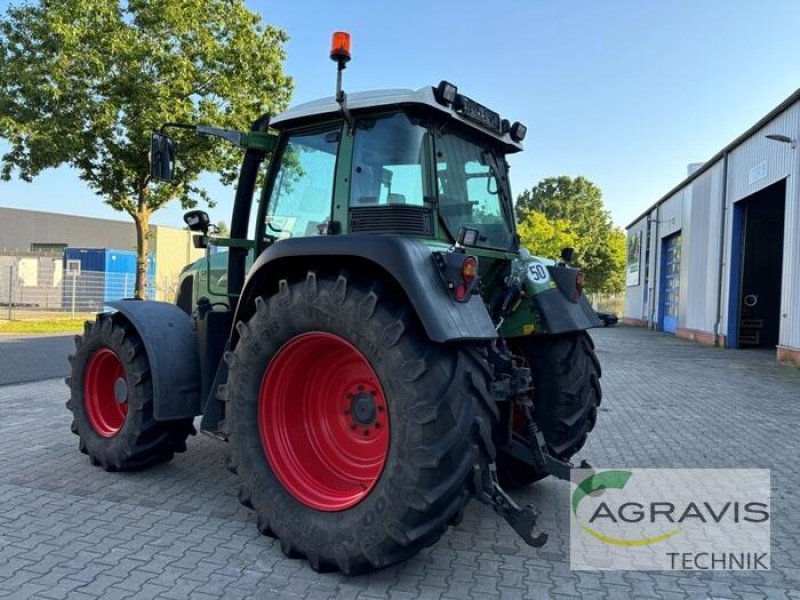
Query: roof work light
[
  {"x": 445, "y": 92},
  {"x": 518, "y": 131}
]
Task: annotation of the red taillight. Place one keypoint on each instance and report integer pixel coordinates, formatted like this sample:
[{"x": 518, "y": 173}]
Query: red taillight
[
  {"x": 469, "y": 269},
  {"x": 460, "y": 292},
  {"x": 579, "y": 282}
]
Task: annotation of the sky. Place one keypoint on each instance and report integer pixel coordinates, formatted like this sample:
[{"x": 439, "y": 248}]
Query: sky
[{"x": 624, "y": 92}]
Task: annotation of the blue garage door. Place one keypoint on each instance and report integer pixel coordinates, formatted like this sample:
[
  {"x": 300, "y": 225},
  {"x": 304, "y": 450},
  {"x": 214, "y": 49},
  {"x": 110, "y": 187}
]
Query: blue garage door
[{"x": 671, "y": 282}]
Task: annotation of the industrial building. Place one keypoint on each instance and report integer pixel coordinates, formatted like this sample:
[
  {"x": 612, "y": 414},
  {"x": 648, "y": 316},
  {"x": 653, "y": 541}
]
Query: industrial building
[
  {"x": 717, "y": 258},
  {"x": 34, "y": 243}
]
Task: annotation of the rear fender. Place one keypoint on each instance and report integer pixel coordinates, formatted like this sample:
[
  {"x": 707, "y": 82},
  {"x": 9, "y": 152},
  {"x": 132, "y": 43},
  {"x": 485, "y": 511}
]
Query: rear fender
[
  {"x": 407, "y": 262},
  {"x": 171, "y": 346},
  {"x": 553, "y": 302}
]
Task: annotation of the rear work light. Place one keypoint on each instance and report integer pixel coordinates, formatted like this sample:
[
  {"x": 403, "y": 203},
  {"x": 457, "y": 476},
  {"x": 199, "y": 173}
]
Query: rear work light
[
  {"x": 518, "y": 131},
  {"x": 445, "y": 93}
]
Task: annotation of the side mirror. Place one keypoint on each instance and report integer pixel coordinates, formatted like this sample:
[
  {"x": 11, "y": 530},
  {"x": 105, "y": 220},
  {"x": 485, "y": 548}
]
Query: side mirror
[
  {"x": 162, "y": 157},
  {"x": 197, "y": 220}
]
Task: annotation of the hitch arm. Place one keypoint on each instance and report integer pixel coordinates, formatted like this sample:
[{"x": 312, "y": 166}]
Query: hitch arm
[{"x": 521, "y": 519}]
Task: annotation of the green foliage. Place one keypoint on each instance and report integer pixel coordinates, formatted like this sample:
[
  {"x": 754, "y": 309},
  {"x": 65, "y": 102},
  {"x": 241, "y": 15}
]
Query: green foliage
[
  {"x": 84, "y": 83},
  {"x": 223, "y": 229},
  {"x": 616, "y": 256},
  {"x": 575, "y": 206},
  {"x": 544, "y": 237}
]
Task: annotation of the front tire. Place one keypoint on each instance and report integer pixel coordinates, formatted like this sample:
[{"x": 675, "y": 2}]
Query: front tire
[
  {"x": 566, "y": 382},
  {"x": 350, "y": 431},
  {"x": 111, "y": 399}
]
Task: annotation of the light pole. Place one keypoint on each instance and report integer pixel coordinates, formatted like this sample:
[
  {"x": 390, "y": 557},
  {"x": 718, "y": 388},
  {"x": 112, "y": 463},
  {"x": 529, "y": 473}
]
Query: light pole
[{"x": 779, "y": 137}]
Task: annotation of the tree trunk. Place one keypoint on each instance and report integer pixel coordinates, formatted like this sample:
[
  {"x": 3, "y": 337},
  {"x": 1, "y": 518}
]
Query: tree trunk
[{"x": 142, "y": 221}]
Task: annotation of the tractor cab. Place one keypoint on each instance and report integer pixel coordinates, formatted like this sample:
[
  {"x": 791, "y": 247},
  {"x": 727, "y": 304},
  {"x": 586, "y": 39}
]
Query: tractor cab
[
  {"x": 428, "y": 164},
  {"x": 425, "y": 163}
]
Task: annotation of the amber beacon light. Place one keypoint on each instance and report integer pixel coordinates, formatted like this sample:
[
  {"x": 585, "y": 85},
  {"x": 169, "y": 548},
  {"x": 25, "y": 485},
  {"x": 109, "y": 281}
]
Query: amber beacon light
[{"x": 340, "y": 47}]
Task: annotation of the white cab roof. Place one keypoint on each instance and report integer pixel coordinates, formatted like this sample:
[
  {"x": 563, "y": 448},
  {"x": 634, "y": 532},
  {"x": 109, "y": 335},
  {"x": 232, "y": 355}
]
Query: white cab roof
[{"x": 381, "y": 98}]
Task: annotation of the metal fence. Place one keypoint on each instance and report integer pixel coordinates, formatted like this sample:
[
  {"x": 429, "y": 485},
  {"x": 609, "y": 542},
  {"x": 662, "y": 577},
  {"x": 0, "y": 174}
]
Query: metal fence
[
  {"x": 609, "y": 302},
  {"x": 42, "y": 286}
]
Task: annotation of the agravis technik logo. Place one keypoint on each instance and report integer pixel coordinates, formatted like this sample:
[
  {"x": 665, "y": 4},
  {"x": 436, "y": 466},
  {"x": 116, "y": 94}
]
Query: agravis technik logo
[{"x": 715, "y": 519}]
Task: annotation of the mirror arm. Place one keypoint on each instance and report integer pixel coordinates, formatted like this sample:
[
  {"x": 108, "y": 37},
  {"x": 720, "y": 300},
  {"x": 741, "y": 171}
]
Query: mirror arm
[
  {"x": 234, "y": 137},
  {"x": 260, "y": 140},
  {"x": 163, "y": 129}
]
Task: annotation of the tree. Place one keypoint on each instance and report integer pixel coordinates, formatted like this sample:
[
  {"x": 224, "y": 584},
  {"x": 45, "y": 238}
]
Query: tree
[
  {"x": 615, "y": 277},
  {"x": 84, "y": 83},
  {"x": 222, "y": 226},
  {"x": 579, "y": 202},
  {"x": 544, "y": 237}
]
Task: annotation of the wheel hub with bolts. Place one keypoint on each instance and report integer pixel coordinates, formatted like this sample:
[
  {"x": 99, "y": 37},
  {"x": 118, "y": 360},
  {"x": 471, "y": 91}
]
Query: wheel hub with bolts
[
  {"x": 365, "y": 412},
  {"x": 121, "y": 390}
]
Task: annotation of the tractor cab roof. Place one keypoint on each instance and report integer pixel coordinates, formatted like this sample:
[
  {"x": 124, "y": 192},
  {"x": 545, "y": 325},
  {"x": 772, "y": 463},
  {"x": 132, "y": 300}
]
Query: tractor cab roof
[{"x": 360, "y": 102}]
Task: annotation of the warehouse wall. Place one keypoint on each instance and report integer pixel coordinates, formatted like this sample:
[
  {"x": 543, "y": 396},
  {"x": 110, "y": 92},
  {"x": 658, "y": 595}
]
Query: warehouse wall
[
  {"x": 696, "y": 210},
  {"x": 174, "y": 250},
  {"x": 754, "y": 165},
  {"x": 171, "y": 247},
  {"x": 21, "y": 228}
]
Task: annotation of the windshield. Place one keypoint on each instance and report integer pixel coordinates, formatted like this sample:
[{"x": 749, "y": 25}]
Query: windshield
[{"x": 470, "y": 194}]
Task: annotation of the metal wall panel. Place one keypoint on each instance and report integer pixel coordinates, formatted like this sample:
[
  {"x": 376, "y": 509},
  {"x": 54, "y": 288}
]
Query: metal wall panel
[
  {"x": 759, "y": 162},
  {"x": 670, "y": 215},
  {"x": 701, "y": 231},
  {"x": 790, "y": 297}
]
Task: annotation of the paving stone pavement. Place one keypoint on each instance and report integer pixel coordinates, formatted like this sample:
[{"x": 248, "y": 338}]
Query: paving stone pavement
[{"x": 177, "y": 531}]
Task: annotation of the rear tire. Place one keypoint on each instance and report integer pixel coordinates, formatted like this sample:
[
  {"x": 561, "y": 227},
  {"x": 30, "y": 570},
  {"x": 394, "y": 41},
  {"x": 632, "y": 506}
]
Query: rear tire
[
  {"x": 111, "y": 399},
  {"x": 434, "y": 396},
  {"x": 566, "y": 381}
]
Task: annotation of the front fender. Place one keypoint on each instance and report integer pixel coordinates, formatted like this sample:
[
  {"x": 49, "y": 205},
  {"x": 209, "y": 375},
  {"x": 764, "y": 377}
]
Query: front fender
[
  {"x": 171, "y": 347},
  {"x": 407, "y": 261}
]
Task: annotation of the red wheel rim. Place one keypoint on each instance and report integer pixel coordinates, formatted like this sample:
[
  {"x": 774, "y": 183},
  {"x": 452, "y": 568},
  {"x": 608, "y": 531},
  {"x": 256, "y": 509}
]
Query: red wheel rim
[
  {"x": 323, "y": 421},
  {"x": 104, "y": 371}
]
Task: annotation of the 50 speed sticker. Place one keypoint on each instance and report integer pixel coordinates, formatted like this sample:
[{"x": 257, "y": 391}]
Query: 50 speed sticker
[{"x": 538, "y": 273}]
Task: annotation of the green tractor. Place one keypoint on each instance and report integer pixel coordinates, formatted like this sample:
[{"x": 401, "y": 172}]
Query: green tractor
[{"x": 374, "y": 344}]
